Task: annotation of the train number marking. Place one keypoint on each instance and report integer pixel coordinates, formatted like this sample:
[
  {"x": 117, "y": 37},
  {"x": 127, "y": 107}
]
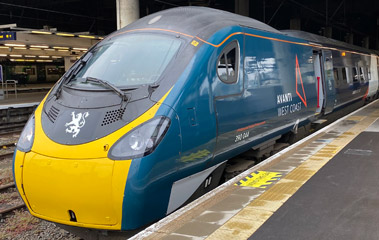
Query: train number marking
[{"x": 242, "y": 136}]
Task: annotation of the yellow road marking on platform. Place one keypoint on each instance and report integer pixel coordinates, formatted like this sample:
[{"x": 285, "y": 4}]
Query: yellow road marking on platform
[
  {"x": 356, "y": 118},
  {"x": 242, "y": 226},
  {"x": 375, "y": 113},
  {"x": 259, "y": 179}
]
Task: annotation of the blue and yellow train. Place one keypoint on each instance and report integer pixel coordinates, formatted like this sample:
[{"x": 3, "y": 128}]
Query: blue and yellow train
[{"x": 147, "y": 119}]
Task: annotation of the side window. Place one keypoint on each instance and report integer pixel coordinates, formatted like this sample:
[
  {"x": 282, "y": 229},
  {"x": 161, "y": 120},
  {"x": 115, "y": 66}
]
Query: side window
[
  {"x": 355, "y": 74},
  {"x": 336, "y": 78},
  {"x": 227, "y": 65},
  {"x": 344, "y": 78},
  {"x": 362, "y": 76}
]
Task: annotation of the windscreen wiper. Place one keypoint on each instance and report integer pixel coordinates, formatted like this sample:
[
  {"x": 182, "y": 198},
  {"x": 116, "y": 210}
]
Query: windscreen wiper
[
  {"x": 119, "y": 92},
  {"x": 71, "y": 73}
]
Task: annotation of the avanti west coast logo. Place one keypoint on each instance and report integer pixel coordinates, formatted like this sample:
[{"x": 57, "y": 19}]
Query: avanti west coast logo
[
  {"x": 286, "y": 101},
  {"x": 78, "y": 121}
]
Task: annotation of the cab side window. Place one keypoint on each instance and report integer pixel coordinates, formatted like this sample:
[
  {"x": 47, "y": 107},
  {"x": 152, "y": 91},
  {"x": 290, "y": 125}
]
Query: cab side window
[{"x": 227, "y": 64}]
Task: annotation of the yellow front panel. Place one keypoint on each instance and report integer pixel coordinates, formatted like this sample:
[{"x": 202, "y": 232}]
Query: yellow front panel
[
  {"x": 87, "y": 187},
  {"x": 57, "y": 178},
  {"x": 18, "y": 169}
]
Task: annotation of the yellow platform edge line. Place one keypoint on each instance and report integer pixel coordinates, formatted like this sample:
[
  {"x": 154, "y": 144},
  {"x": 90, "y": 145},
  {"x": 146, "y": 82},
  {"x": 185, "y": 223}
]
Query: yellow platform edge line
[{"x": 251, "y": 218}]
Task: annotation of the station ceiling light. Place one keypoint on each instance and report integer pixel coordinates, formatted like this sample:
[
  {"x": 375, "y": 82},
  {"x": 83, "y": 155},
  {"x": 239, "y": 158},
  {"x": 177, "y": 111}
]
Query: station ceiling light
[
  {"x": 4, "y": 47},
  {"x": 42, "y": 32},
  {"x": 63, "y": 50},
  {"x": 49, "y": 49},
  {"x": 39, "y": 46},
  {"x": 35, "y": 49},
  {"x": 14, "y": 45},
  {"x": 61, "y": 47},
  {"x": 65, "y": 34},
  {"x": 30, "y": 56},
  {"x": 44, "y": 56},
  {"x": 15, "y": 55},
  {"x": 56, "y": 56},
  {"x": 3, "y": 55},
  {"x": 44, "y": 60},
  {"x": 86, "y": 36},
  {"x": 20, "y": 48},
  {"x": 82, "y": 49}
]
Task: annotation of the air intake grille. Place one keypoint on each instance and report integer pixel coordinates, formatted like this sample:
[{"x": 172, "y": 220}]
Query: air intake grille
[
  {"x": 53, "y": 114},
  {"x": 113, "y": 116}
]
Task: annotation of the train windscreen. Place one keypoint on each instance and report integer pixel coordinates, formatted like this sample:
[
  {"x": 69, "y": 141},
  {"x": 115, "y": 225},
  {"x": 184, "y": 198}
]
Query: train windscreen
[{"x": 129, "y": 60}]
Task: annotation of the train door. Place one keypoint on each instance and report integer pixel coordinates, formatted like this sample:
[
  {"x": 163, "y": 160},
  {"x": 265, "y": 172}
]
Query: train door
[
  {"x": 319, "y": 83},
  {"x": 228, "y": 86},
  {"x": 328, "y": 81}
]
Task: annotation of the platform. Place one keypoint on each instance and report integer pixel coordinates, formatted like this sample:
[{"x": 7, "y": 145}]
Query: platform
[
  {"x": 27, "y": 95},
  {"x": 322, "y": 187}
]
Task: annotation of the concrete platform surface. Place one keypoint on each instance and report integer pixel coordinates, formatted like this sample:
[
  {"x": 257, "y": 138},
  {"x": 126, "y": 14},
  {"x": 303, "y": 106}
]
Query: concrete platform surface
[
  {"x": 322, "y": 187},
  {"x": 27, "y": 95}
]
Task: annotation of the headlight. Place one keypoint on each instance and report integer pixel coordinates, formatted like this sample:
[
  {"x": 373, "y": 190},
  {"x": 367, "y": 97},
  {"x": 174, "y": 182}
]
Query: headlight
[
  {"x": 25, "y": 142},
  {"x": 141, "y": 141}
]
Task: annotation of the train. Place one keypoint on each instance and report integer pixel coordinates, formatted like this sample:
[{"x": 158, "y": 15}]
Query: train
[
  {"x": 149, "y": 118},
  {"x": 26, "y": 73}
]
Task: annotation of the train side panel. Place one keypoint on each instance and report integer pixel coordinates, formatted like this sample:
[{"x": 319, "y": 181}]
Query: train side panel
[
  {"x": 278, "y": 93},
  {"x": 350, "y": 73}
]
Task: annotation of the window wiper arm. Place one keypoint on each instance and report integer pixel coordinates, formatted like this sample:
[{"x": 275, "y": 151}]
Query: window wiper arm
[
  {"x": 119, "y": 92},
  {"x": 67, "y": 77}
]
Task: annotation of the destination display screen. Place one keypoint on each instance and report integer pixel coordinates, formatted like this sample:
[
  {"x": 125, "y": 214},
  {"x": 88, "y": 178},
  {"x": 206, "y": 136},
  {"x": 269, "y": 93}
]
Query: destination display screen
[{"x": 7, "y": 36}]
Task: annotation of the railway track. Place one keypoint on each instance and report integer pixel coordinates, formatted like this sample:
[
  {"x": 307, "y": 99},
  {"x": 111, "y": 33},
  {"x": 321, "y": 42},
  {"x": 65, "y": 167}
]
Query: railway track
[
  {"x": 8, "y": 144},
  {"x": 8, "y": 207},
  {"x": 6, "y": 186},
  {"x": 9, "y": 210},
  {"x": 8, "y": 202}
]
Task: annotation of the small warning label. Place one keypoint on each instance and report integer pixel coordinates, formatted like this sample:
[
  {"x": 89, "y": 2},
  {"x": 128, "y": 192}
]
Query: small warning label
[
  {"x": 195, "y": 43},
  {"x": 259, "y": 179}
]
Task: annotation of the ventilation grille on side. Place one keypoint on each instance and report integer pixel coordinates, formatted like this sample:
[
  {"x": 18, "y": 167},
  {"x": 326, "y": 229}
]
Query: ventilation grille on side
[
  {"x": 53, "y": 114},
  {"x": 112, "y": 116}
]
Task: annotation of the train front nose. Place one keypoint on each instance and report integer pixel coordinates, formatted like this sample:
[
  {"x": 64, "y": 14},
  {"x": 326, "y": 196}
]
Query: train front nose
[{"x": 82, "y": 192}]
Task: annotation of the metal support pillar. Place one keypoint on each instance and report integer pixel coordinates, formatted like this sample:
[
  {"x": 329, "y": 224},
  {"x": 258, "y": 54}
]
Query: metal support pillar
[
  {"x": 68, "y": 61},
  {"x": 127, "y": 12},
  {"x": 241, "y": 7}
]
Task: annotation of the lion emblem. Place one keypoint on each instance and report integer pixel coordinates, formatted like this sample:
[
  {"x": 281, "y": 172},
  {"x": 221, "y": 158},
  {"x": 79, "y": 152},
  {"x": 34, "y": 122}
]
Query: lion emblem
[{"x": 78, "y": 121}]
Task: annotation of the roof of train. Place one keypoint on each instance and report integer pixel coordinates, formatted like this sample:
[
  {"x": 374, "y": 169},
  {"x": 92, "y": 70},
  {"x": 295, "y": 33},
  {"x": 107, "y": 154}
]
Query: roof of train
[
  {"x": 204, "y": 22},
  {"x": 196, "y": 21},
  {"x": 324, "y": 41}
]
